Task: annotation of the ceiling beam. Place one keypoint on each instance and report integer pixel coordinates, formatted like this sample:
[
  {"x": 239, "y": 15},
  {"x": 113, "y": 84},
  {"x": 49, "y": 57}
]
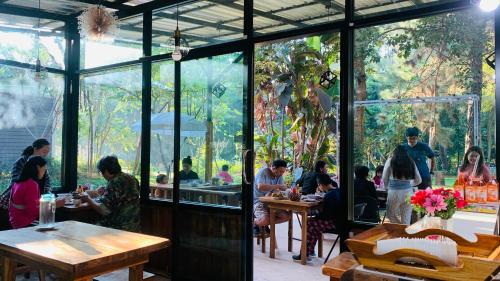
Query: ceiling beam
[
  {"x": 28, "y": 30},
  {"x": 150, "y": 6},
  {"x": 417, "y": 2},
  {"x": 169, "y": 34},
  {"x": 331, "y": 4},
  {"x": 113, "y": 5},
  {"x": 31, "y": 12},
  {"x": 268, "y": 15},
  {"x": 202, "y": 23}
]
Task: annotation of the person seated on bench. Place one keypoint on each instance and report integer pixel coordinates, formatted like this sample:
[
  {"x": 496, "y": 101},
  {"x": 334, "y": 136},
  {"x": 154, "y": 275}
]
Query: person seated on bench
[
  {"x": 325, "y": 220},
  {"x": 268, "y": 180}
]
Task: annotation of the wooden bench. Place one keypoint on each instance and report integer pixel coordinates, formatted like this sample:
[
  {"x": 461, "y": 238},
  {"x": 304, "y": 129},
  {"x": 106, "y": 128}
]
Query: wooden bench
[{"x": 339, "y": 265}]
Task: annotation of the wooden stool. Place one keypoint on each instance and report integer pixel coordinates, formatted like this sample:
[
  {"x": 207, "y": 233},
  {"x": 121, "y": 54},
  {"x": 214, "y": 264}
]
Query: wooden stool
[{"x": 263, "y": 235}]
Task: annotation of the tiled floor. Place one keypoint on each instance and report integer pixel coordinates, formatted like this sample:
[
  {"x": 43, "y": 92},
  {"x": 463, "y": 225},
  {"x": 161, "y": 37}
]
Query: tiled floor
[{"x": 283, "y": 267}]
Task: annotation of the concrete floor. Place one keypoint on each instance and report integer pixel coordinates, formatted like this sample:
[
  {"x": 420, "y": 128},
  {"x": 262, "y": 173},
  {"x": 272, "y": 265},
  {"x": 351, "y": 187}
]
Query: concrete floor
[{"x": 283, "y": 267}]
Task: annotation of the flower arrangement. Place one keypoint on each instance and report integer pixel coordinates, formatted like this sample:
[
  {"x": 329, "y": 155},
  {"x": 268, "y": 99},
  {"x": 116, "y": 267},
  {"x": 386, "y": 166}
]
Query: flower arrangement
[{"x": 439, "y": 202}]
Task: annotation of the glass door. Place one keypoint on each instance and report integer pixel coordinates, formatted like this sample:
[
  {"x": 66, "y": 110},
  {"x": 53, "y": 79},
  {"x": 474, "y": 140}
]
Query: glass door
[{"x": 208, "y": 214}]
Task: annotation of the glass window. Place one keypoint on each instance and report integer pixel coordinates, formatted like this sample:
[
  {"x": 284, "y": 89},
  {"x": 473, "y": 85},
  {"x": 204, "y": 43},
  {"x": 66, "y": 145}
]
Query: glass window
[
  {"x": 126, "y": 46},
  {"x": 109, "y": 121},
  {"x": 211, "y": 129},
  {"x": 201, "y": 23},
  {"x": 295, "y": 105},
  {"x": 368, "y": 8},
  {"x": 274, "y": 16},
  {"x": 30, "y": 109},
  {"x": 20, "y": 43},
  {"x": 430, "y": 73},
  {"x": 162, "y": 130}
]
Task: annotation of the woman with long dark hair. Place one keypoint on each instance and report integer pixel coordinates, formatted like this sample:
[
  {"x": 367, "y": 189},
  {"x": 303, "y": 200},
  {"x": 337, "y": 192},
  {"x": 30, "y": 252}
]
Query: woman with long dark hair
[
  {"x": 400, "y": 175},
  {"x": 40, "y": 147},
  {"x": 466, "y": 171},
  {"x": 25, "y": 193}
]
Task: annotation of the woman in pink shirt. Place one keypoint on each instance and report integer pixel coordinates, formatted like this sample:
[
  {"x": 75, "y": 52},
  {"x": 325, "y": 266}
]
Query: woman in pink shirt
[
  {"x": 25, "y": 195},
  {"x": 224, "y": 175},
  {"x": 474, "y": 154}
]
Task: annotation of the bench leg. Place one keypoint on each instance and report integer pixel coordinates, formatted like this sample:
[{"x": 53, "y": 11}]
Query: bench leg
[
  {"x": 320, "y": 246},
  {"x": 41, "y": 275},
  {"x": 135, "y": 273},
  {"x": 9, "y": 270}
]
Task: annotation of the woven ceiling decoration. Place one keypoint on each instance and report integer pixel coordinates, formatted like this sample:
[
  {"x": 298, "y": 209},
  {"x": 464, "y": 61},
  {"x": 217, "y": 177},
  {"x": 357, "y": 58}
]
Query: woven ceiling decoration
[{"x": 95, "y": 23}]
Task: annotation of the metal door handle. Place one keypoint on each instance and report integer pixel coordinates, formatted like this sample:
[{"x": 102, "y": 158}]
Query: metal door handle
[{"x": 245, "y": 172}]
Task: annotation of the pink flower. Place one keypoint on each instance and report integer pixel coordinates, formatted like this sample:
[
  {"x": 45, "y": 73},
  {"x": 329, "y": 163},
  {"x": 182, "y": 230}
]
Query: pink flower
[
  {"x": 428, "y": 192},
  {"x": 434, "y": 203}
]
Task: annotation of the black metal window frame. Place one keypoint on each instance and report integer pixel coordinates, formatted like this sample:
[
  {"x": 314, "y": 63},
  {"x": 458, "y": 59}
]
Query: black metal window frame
[{"x": 346, "y": 27}]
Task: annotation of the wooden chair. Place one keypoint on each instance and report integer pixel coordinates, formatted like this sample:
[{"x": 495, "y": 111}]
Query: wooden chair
[{"x": 262, "y": 236}]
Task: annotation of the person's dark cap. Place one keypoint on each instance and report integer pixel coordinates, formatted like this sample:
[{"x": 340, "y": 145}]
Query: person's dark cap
[{"x": 412, "y": 132}]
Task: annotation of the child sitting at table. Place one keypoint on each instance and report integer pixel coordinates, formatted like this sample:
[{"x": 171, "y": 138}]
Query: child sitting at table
[
  {"x": 25, "y": 195},
  {"x": 325, "y": 220}
]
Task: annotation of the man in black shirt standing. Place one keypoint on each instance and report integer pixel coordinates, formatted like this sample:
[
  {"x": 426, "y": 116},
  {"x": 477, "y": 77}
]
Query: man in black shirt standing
[{"x": 308, "y": 181}]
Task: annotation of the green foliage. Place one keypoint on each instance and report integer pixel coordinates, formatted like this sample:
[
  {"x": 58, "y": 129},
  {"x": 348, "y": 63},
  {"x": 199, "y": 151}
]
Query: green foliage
[{"x": 292, "y": 69}]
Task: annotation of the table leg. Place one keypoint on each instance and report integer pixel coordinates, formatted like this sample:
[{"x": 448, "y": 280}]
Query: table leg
[
  {"x": 272, "y": 244},
  {"x": 135, "y": 273},
  {"x": 290, "y": 234},
  {"x": 303, "y": 248},
  {"x": 9, "y": 270}
]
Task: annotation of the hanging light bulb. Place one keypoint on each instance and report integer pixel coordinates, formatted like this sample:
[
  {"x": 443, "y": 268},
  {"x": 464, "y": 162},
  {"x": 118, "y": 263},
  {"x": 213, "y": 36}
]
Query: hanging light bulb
[
  {"x": 176, "y": 54},
  {"x": 39, "y": 72},
  {"x": 489, "y": 5},
  {"x": 180, "y": 46}
]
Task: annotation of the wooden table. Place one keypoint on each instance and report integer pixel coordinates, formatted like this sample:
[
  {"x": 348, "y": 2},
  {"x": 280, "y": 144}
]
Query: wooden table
[
  {"x": 299, "y": 207},
  {"x": 83, "y": 213},
  {"x": 77, "y": 251},
  {"x": 338, "y": 265}
]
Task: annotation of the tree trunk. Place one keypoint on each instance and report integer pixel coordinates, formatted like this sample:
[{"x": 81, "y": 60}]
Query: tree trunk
[
  {"x": 476, "y": 69},
  {"x": 443, "y": 155},
  {"x": 359, "y": 124},
  {"x": 490, "y": 131},
  {"x": 162, "y": 153},
  {"x": 137, "y": 160},
  {"x": 210, "y": 126}
]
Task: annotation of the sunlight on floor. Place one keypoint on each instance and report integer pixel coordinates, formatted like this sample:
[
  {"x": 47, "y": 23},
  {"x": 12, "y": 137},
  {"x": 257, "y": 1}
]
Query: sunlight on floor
[{"x": 283, "y": 267}]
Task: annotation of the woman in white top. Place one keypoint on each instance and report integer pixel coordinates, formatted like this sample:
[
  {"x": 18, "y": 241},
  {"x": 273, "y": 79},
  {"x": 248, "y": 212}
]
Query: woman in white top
[{"x": 399, "y": 176}]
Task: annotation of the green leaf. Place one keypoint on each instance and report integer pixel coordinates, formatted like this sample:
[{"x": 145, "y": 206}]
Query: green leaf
[{"x": 314, "y": 43}]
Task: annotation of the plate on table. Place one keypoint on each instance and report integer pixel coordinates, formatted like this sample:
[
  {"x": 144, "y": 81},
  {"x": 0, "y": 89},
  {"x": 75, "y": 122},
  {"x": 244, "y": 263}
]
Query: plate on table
[{"x": 311, "y": 200}]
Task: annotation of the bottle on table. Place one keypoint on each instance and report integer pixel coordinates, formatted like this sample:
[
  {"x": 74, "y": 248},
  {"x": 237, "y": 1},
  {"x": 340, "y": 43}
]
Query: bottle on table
[{"x": 47, "y": 210}]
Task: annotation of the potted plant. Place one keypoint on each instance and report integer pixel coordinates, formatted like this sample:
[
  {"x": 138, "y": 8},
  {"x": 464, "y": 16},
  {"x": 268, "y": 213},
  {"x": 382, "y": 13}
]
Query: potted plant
[{"x": 438, "y": 204}]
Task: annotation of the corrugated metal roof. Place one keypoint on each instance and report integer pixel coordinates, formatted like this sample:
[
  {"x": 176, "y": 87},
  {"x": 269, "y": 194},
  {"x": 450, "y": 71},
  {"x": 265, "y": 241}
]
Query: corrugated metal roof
[{"x": 214, "y": 21}]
